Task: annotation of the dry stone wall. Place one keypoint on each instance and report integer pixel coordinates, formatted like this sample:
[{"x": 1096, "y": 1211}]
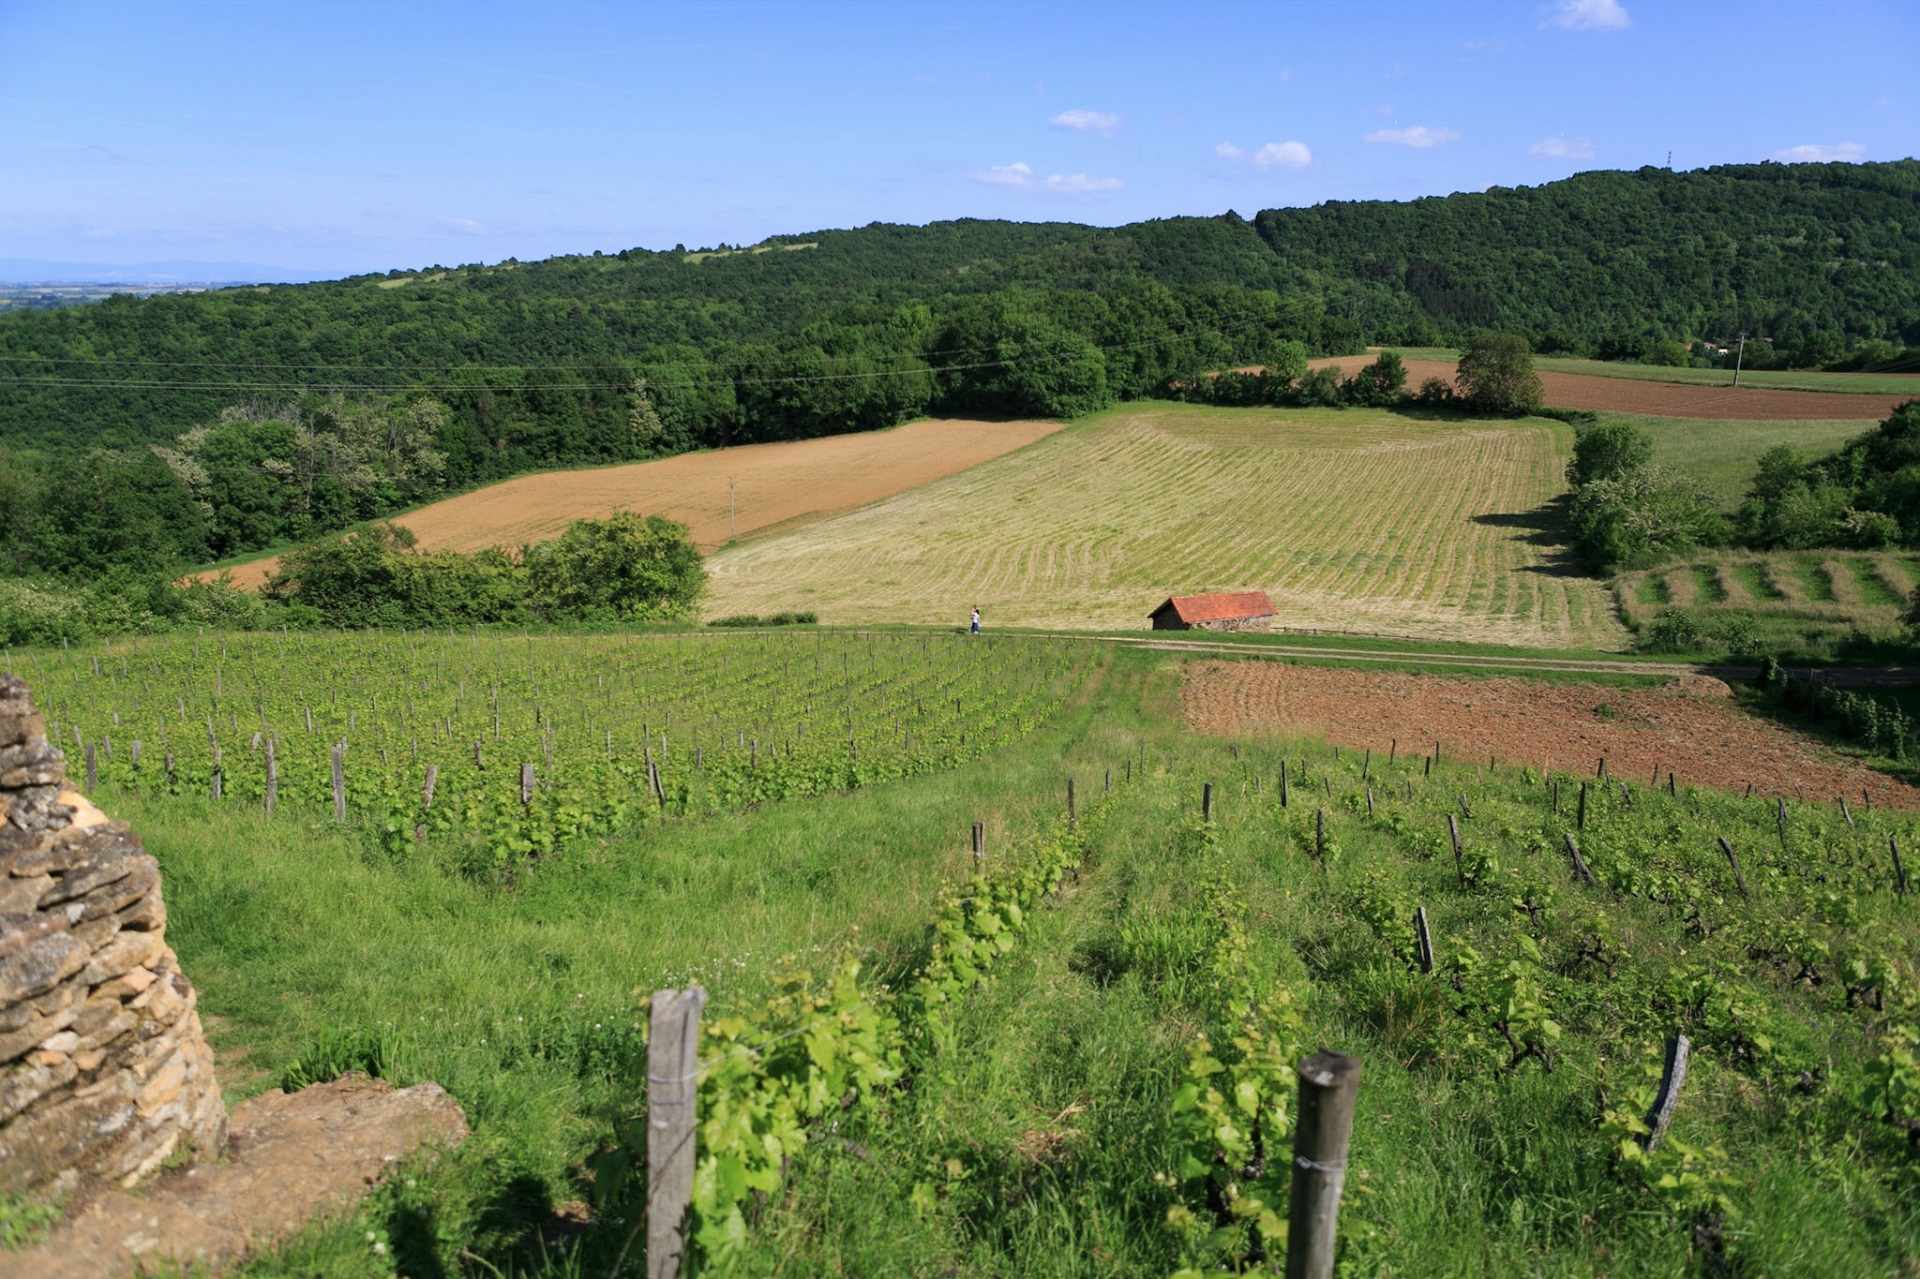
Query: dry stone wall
[{"x": 104, "y": 1070}]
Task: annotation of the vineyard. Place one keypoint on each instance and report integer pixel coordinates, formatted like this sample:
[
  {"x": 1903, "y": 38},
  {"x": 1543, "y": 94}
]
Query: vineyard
[
  {"x": 513, "y": 747},
  {"x": 1068, "y": 1054},
  {"x": 1778, "y": 601}
]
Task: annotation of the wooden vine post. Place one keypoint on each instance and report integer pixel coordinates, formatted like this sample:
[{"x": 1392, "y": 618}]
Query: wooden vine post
[
  {"x": 980, "y": 847},
  {"x": 1206, "y": 802},
  {"x": 1073, "y": 815},
  {"x": 1673, "y": 1077},
  {"x": 673, "y": 1064},
  {"x": 1899, "y": 868},
  {"x": 339, "y": 784},
  {"x": 1422, "y": 939},
  {"x": 273, "y": 777},
  {"x": 1453, "y": 833},
  {"x": 1329, "y": 1086},
  {"x": 526, "y": 784},
  {"x": 1579, "y": 862},
  {"x": 1733, "y": 861}
]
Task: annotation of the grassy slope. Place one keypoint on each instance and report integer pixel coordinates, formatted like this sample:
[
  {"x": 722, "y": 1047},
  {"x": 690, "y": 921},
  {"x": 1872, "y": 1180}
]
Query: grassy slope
[
  {"x": 1349, "y": 519},
  {"x": 1041, "y": 1138},
  {"x": 1723, "y": 454}
]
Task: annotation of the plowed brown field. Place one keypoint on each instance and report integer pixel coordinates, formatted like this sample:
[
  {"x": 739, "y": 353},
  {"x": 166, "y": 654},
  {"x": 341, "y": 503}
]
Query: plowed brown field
[
  {"x": 1706, "y": 739},
  {"x": 776, "y": 486},
  {"x": 1673, "y": 399}
]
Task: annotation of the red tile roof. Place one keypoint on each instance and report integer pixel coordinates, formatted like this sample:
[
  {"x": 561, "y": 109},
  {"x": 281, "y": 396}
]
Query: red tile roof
[{"x": 1220, "y": 608}]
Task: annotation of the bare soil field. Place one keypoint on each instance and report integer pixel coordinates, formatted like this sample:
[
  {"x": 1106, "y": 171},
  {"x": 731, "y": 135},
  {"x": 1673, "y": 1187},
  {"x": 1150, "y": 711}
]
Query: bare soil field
[
  {"x": 1691, "y": 726},
  {"x": 1673, "y": 399},
  {"x": 776, "y": 487}
]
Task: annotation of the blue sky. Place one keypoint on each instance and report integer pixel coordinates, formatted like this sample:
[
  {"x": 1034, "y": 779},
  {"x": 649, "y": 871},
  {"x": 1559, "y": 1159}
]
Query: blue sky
[{"x": 339, "y": 137}]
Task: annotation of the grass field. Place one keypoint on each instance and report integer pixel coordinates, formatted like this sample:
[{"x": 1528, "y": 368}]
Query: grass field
[
  {"x": 1777, "y": 379},
  {"x": 1667, "y": 397},
  {"x": 1723, "y": 454},
  {"x": 1348, "y": 519},
  {"x": 1907, "y": 384},
  {"x": 1047, "y": 1136},
  {"x": 1803, "y": 601}
]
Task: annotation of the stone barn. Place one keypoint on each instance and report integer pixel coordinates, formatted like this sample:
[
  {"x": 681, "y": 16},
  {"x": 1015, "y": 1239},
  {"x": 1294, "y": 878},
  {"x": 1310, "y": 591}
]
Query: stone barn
[{"x": 1243, "y": 611}]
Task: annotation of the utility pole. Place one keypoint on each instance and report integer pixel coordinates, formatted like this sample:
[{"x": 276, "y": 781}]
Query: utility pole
[
  {"x": 730, "y": 533},
  {"x": 1739, "y": 358}
]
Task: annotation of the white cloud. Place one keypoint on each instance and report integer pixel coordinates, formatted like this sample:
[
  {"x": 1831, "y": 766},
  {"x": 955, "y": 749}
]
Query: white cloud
[
  {"x": 1080, "y": 120},
  {"x": 1419, "y": 136},
  {"x": 1846, "y": 152},
  {"x": 1274, "y": 155},
  {"x": 1021, "y": 177},
  {"x": 1588, "y": 15},
  {"x": 466, "y": 226},
  {"x": 1563, "y": 148}
]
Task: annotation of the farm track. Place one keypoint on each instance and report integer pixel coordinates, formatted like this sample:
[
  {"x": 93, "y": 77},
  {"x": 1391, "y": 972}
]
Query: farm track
[{"x": 1840, "y": 676}]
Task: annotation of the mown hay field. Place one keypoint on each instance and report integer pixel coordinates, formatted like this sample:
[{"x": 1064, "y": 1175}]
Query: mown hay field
[
  {"x": 1797, "y": 598},
  {"x": 1348, "y": 519}
]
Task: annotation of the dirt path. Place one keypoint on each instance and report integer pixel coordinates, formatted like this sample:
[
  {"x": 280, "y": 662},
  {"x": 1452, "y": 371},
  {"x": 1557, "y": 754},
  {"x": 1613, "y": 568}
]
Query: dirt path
[
  {"x": 1687, "y": 727},
  {"x": 1673, "y": 399},
  {"x": 775, "y": 487}
]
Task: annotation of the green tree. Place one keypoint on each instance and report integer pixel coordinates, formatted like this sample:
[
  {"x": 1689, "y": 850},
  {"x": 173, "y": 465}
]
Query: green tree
[
  {"x": 1608, "y": 450},
  {"x": 1380, "y": 383},
  {"x": 643, "y": 421},
  {"x": 627, "y": 567},
  {"x": 1495, "y": 374}
]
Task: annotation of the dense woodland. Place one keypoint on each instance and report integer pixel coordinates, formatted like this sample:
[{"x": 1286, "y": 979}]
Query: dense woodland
[{"x": 140, "y": 434}]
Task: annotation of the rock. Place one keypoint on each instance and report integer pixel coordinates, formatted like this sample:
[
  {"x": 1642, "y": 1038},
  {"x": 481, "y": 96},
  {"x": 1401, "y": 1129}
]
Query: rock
[
  {"x": 125, "y": 952},
  {"x": 100, "y": 1022},
  {"x": 20, "y": 727},
  {"x": 127, "y": 984},
  {"x": 40, "y": 966},
  {"x": 142, "y": 875},
  {"x": 95, "y": 933},
  {"x": 149, "y": 913},
  {"x": 106, "y": 866},
  {"x": 17, "y": 1042},
  {"x": 50, "y": 1138},
  {"x": 20, "y": 1088},
  {"x": 21, "y": 896},
  {"x": 63, "y": 1042},
  {"x": 36, "y": 808},
  {"x": 17, "y": 932}
]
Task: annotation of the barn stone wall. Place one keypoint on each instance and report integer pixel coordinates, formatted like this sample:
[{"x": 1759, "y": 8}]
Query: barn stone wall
[{"x": 104, "y": 1070}]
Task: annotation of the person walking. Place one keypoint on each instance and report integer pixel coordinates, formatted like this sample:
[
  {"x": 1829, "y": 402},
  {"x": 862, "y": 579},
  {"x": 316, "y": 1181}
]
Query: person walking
[{"x": 976, "y": 619}]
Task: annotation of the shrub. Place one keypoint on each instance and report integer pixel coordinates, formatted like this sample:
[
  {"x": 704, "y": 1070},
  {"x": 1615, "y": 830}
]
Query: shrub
[{"x": 1496, "y": 374}]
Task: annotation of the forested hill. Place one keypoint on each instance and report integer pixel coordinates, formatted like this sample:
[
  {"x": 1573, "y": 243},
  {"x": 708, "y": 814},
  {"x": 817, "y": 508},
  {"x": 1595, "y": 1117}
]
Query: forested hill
[
  {"x": 210, "y": 424},
  {"x": 1604, "y": 261},
  {"x": 1621, "y": 259}
]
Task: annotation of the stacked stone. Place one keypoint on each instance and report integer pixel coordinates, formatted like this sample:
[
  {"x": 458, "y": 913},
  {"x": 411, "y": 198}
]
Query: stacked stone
[{"x": 104, "y": 1070}]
